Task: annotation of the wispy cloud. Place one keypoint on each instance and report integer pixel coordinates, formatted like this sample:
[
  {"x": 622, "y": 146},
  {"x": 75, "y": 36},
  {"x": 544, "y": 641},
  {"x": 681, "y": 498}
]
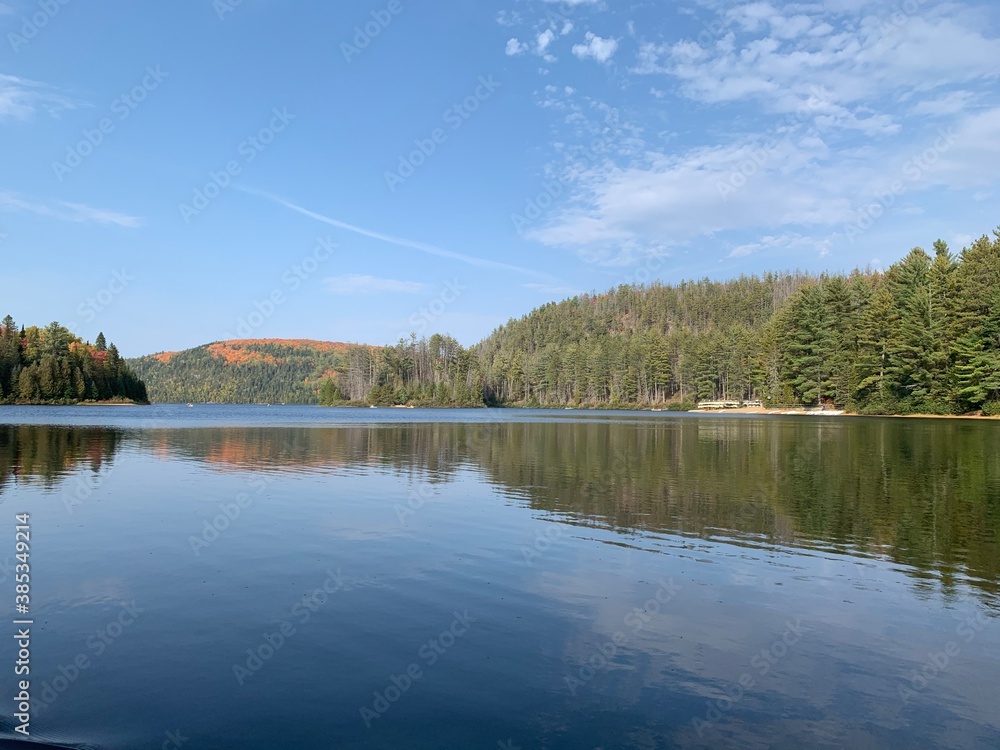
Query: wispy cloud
[
  {"x": 356, "y": 283},
  {"x": 64, "y": 211},
  {"x": 762, "y": 52},
  {"x": 399, "y": 241},
  {"x": 20, "y": 98},
  {"x": 795, "y": 242},
  {"x": 831, "y": 104}
]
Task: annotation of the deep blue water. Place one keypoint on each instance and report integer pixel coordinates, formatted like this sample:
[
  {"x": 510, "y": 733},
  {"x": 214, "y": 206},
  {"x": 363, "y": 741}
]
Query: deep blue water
[{"x": 298, "y": 577}]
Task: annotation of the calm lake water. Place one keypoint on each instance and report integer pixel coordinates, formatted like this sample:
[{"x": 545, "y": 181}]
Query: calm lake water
[{"x": 298, "y": 577}]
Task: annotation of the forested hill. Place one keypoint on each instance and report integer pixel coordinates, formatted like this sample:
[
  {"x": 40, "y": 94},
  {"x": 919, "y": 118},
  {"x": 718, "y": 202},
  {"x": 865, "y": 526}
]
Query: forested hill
[
  {"x": 920, "y": 337},
  {"x": 253, "y": 371},
  {"x": 53, "y": 366}
]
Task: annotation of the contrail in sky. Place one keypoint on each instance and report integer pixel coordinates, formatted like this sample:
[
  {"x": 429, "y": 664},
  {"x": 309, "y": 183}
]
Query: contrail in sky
[{"x": 400, "y": 241}]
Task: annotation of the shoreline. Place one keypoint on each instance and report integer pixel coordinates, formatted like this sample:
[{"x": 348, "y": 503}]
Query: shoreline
[
  {"x": 762, "y": 411},
  {"x": 82, "y": 403},
  {"x": 765, "y": 411}
]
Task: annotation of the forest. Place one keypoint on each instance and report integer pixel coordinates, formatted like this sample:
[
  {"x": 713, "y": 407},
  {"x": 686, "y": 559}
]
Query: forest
[
  {"x": 53, "y": 366},
  {"x": 250, "y": 371},
  {"x": 921, "y": 337}
]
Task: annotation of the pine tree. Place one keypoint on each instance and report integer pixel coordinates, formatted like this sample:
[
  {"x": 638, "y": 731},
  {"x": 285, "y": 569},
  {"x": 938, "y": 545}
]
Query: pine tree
[
  {"x": 878, "y": 325},
  {"x": 809, "y": 346},
  {"x": 911, "y": 350},
  {"x": 10, "y": 358}
]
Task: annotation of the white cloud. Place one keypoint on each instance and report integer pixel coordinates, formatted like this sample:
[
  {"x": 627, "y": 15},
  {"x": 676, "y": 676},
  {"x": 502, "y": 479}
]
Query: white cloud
[
  {"x": 600, "y": 49},
  {"x": 795, "y": 183},
  {"x": 843, "y": 98},
  {"x": 514, "y": 47},
  {"x": 784, "y": 243},
  {"x": 509, "y": 18},
  {"x": 356, "y": 283},
  {"x": 762, "y": 54},
  {"x": 951, "y": 103},
  {"x": 543, "y": 41},
  {"x": 64, "y": 211}
]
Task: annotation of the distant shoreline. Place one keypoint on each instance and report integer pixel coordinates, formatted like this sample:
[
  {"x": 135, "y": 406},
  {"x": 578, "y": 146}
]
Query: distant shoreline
[
  {"x": 763, "y": 411},
  {"x": 759, "y": 410},
  {"x": 81, "y": 403}
]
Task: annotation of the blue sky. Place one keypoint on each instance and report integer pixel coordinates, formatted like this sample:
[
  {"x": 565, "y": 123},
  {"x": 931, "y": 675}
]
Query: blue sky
[{"x": 179, "y": 173}]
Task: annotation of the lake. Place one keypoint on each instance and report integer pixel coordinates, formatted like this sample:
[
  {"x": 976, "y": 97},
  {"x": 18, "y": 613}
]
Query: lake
[{"x": 299, "y": 577}]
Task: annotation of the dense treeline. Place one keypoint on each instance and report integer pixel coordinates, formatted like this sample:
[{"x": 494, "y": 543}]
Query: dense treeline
[
  {"x": 242, "y": 372},
  {"x": 427, "y": 372},
  {"x": 52, "y": 366},
  {"x": 923, "y": 336}
]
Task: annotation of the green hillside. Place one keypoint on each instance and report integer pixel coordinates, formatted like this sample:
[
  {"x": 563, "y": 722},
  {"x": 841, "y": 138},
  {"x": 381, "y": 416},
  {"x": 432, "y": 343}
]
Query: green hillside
[
  {"x": 247, "y": 372},
  {"x": 920, "y": 337}
]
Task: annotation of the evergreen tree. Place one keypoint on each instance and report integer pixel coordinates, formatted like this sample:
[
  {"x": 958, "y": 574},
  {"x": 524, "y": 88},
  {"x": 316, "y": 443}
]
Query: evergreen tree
[{"x": 878, "y": 326}]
